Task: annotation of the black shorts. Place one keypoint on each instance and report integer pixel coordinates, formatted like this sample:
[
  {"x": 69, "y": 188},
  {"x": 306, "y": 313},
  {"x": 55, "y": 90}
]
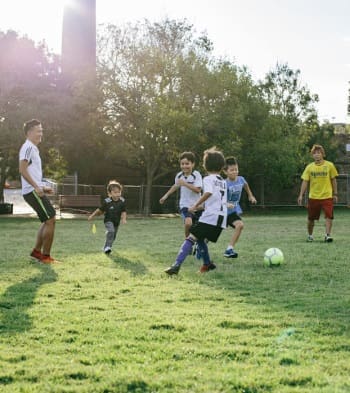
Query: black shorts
[
  {"x": 41, "y": 205},
  {"x": 231, "y": 218},
  {"x": 204, "y": 231}
]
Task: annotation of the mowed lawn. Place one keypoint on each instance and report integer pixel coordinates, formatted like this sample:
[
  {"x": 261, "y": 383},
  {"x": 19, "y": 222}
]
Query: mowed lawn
[{"x": 118, "y": 324}]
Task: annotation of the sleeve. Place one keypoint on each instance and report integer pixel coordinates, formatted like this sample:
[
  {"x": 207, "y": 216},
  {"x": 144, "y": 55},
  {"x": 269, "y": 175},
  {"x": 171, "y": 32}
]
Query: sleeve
[
  {"x": 207, "y": 185},
  {"x": 25, "y": 154},
  {"x": 103, "y": 206},
  {"x": 305, "y": 176},
  {"x": 199, "y": 180},
  {"x": 333, "y": 171}
]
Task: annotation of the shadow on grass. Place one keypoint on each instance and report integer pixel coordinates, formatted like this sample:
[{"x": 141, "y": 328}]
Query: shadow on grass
[
  {"x": 134, "y": 267},
  {"x": 18, "y": 298}
]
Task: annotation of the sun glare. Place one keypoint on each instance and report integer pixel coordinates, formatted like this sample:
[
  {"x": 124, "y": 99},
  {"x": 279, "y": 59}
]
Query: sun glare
[{"x": 39, "y": 20}]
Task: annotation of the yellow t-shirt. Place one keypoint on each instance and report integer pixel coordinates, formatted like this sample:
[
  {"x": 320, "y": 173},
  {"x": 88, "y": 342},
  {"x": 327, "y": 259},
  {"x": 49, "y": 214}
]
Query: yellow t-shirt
[{"x": 319, "y": 178}]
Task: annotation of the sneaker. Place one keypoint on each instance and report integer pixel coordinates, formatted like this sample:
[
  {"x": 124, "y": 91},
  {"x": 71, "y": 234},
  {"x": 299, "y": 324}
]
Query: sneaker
[
  {"x": 207, "y": 268},
  {"x": 35, "y": 254},
  {"x": 107, "y": 250},
  {"x": 47, "y": 259},
  {"x": 328, "y": 239},
  {"x": 310, "y": 239},
  {"x": 230, "y": 253},
  {"x": 172, "y": 270}
]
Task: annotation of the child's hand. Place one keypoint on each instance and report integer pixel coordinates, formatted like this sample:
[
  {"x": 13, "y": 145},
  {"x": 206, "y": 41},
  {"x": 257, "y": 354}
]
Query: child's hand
[
  {"x": 230, "y": 205},
  {"x": 90, "y": 218},
  {"x": 252, "y": 200},
  {"x": 162, "y": 200}
]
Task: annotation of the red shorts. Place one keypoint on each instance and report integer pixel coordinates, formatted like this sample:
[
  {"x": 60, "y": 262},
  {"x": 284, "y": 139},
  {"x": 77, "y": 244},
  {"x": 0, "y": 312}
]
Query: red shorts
[{"x": 316, "y": 205}]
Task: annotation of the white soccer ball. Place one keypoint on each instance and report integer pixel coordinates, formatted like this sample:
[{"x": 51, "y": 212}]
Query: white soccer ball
[{"x": 273, "y": 257}]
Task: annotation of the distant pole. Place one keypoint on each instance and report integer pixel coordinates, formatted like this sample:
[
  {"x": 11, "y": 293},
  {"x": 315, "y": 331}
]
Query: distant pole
[
  {"x": 79, "y": 40},
  {"x": 348, "y": 112}
]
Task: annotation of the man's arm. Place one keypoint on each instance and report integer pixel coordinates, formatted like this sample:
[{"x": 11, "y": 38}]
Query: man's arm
[
  {"x": 23, "y": 170},
  {"x": 303, "y": 188}
]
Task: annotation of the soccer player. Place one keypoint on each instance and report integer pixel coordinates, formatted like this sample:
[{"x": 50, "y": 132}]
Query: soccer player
[
  {"x": 190, "y": 183},
  {"x": 34, "y": 190},
  {"x": 213, "y": 218},
  {"x": 320, "y": 176},
  {"x": 114, "y": 209},
  {"x": 235, "y": 185}
]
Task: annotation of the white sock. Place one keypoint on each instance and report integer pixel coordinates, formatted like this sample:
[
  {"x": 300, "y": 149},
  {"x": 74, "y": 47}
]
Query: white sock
[{"x": 229, "y": 247}]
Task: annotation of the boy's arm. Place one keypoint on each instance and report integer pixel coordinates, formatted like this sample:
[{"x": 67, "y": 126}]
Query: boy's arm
[
  {"x": 335, "y": 189},
  {"x": 97, "y": 212},
  {"x": 123, "y": 217},
  {"x": 303, "y": 188},
  {"x": 181, "y": 182},
  {"x": 172, "y": 189},
  {"x": 200, "y": 201},
  {"x": 251, "y": 197}
]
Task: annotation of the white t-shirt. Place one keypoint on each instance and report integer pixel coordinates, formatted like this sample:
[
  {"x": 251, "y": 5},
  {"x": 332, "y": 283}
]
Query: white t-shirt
[
  {"x": 30, "y": 152},
  {"x": 215, "y": 207},
  {"x": 188, "y": 197}
]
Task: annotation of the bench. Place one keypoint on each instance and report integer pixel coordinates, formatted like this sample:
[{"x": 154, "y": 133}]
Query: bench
[{"x": 79, "y": 203}]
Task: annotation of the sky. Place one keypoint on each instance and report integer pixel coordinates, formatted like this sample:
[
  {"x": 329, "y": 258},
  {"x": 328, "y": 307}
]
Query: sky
[{"x": 310, "y": 35}]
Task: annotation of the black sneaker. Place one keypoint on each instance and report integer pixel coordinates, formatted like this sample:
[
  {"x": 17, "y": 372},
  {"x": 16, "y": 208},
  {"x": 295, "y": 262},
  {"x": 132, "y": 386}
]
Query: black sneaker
[
  {"x": 328, "y": 239},
  {"x": 172, "y": 270}
]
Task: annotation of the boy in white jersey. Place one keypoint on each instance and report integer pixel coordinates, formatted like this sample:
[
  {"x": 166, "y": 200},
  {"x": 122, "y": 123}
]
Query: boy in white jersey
[
  {"x": 34, "y": 190},
  {"x": 213, "y": 219},
  {"x": 190, "y": 183},
  {"x": 235, "y": 186}
]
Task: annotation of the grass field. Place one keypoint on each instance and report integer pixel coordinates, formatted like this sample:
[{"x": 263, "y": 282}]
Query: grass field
[{"x": 118, "y": 324}]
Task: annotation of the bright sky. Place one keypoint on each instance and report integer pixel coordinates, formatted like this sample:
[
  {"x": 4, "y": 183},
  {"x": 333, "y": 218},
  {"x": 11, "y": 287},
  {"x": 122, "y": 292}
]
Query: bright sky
[{"x": 310, "y": 35}]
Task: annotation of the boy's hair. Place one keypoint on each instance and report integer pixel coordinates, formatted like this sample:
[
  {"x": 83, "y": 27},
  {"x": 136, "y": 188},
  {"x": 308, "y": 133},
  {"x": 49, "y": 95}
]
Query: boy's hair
[
  {"x": 318, "y": 147},
  {"x": 112, "y": 184},
  {"x": 188, "y": 155},
  {"x": 213, "y": 160},
  {"x": 30, "y": 124},
  {"x": 230, "y": 161}
]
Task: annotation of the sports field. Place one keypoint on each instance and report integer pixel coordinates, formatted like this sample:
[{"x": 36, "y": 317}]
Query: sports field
[{"x": 118, "y": 324}]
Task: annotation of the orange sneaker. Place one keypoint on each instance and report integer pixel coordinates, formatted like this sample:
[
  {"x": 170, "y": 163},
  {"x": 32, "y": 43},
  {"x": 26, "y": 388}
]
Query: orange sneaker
[
  {"x": 37, "y": 255},
  {"x": 207, "y": 268},
  {"x": 47, "y": 259}
]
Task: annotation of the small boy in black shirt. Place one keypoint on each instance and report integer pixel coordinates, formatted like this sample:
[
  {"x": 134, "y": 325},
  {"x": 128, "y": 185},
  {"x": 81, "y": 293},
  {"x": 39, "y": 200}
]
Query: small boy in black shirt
[{"x": 114, "y": 210}]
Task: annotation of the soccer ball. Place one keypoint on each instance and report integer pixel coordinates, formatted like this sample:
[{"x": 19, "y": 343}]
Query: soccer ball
[{"x": 273, "y": 257}]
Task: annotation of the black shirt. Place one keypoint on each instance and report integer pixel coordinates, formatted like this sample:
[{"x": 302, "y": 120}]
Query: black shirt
[{"x": 113, "y": 209}]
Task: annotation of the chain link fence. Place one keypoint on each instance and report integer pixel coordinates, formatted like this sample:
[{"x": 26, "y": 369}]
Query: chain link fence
[{"x": 135, "y": 194}]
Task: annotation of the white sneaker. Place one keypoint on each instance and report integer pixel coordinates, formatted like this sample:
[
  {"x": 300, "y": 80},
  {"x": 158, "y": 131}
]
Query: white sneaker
[
  {"x": 107, "y": 250},
  {"x": 310, "y": 239}
]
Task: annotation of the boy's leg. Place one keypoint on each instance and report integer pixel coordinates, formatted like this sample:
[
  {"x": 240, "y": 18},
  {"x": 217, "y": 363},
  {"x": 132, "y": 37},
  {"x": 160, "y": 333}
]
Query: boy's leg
[
  {"x": 235, "y": 221},
  {"x": 188, "y": 224},
  {"x": 328, "y": 211},
  {"x": 185, "y": 249},
  {"x": 110, "y": 236}
]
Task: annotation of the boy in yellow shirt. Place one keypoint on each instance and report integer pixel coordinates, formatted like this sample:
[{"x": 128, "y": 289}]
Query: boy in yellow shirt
[{"x": 320, "y": 176}]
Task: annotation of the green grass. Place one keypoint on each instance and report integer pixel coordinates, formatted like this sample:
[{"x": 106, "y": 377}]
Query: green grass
[{"x": 95, "y": 324}]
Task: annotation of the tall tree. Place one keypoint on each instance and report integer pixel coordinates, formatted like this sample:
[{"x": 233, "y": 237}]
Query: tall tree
[
  {"x": 29, "y": 75},
  {"x": 149, "y": 77}
]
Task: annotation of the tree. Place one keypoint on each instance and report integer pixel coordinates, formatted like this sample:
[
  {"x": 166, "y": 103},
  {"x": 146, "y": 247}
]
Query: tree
[
  {"x": 28, "y": 76},
  {"x": 152, "y": 78}
]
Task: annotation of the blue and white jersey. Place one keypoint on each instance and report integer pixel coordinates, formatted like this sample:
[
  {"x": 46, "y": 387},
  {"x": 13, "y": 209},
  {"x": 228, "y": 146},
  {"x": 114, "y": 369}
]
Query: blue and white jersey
[
  {"x": 188, "y": 197},
  {"x": 234, "y": 192},
  {"x": 215, "y": 207}
]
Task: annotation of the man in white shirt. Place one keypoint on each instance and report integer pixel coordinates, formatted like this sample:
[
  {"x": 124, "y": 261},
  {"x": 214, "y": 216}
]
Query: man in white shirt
[{"x": 33, "y": 190}]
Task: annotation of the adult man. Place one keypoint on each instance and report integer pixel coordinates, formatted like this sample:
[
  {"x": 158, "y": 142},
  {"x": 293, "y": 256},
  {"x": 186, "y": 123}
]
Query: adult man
[
  {"x": 34, "y": 189},
  {"x": 321, "y": 176}
]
